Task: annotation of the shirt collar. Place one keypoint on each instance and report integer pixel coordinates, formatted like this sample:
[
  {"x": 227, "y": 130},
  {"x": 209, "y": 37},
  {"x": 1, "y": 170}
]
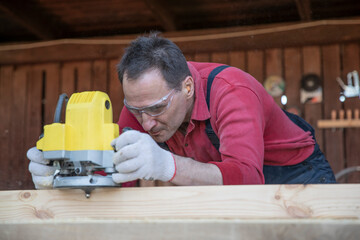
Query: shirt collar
[{"x": 200, "y": 111}]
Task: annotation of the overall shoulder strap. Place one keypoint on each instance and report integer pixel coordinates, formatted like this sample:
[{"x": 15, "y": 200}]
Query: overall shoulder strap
[{"x": 209, "y": 131}]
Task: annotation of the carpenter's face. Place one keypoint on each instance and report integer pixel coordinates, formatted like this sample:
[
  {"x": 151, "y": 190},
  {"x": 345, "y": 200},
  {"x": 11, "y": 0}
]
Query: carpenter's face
[{"x": 158, "y": 109}]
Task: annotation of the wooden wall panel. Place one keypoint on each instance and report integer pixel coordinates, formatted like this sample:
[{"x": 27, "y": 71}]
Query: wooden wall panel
[
  {"x": 351, "y": 62},
  {"x": 255, "y": 64},
  {"x": 237, "y": 59},
  {"x": 84, "y": 77},
  {"x": 220, "y": 57},
  {"x": 311, "y": 62},
  {"x": 6, "y": 98},
  {"x": 293, "y": 72},
  {"x": 33, "y": 119},
  {"x": 17, "y": 140},
  {"x": 334, "y": 138},
  {"x": 67, "y": 78},
  {"x": 115, "y": 90},
  {"x": 202, "y": 57},
  {"x": 51, "y": 82},
  {"x": 274, "y": 66},
  {"x": 100, "y": 75}
]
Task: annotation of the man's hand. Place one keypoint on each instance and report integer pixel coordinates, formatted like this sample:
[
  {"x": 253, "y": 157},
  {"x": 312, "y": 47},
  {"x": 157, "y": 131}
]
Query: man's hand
[
  {"x": 42, "y": 174},
  {"x": 139, "y": 157}
]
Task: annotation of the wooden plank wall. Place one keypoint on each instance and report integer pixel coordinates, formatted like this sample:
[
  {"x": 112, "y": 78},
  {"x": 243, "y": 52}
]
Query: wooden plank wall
[{"x": 28, "y": 95}]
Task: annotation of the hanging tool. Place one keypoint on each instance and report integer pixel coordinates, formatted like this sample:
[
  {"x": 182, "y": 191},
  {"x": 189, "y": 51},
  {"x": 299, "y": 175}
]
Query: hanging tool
[{"x": 352, "y": 88}]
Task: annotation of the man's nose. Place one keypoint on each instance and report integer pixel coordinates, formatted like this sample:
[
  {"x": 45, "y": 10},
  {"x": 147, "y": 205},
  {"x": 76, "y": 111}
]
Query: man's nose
[{"x": 148, "y": 122}]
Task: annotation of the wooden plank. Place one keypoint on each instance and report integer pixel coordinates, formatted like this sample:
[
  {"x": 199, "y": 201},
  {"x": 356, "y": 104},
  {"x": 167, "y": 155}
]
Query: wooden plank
[
  {"x": 76, "y": 77},
  {"x": 255, "y": 64},
  {"x": 274, "y": 67},
  {"x": 346, "y": 123},
  {"x": 202, "y": 57},
  {"x": 6, "y": 103},
  {"x": 199, "y": 202},
  {"x": 33, "y": 107},
  {"x": 100, "y": 75},
  {"x": 51, "y": 75},
  {"x": 313, "y": 211},
  {"x": 259, "y": 37},
  {"x": 115, "y": 90},
  {"x": 52, "y": 90},
  {"x": 292, "y": 66},
  {"x": 351, "y": 62},
  {"x": 220, "y": 57},
  {"x": 312, "y": 59},
  {"x": 84, "y": 76},
  {"x": 334, "y": 138},
  {"x": 20, "y": 179},
  {"x": 237, "y": 59},
  {"x": 68, "y": 78},
  {"x": 33, "y": 119},
  {"x": 313, "y": 111},
  {"x": 182, "y": 229}
]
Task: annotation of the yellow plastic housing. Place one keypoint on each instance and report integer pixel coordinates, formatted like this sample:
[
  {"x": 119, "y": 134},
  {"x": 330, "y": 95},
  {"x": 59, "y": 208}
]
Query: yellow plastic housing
[{"x": 88, "y": 125}]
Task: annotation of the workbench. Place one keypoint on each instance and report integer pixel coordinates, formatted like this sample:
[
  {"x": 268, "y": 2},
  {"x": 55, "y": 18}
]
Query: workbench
[{"x": 207, "y": 212}]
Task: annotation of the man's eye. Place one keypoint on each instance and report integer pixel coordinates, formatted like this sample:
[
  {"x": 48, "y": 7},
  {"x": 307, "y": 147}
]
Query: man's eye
[{"x": 156, "y": 108}]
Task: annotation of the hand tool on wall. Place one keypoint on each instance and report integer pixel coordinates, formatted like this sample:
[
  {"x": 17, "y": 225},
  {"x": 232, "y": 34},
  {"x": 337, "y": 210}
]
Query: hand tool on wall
[{"x": 352, "y": 88}]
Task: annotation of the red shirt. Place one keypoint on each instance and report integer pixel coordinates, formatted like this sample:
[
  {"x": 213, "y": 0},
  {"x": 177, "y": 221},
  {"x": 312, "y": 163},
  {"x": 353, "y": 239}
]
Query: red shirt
[{"x": 251, "y": 127}]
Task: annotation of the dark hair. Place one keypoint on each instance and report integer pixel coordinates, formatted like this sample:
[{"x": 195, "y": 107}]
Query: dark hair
[{"x": 154, "y": 52}]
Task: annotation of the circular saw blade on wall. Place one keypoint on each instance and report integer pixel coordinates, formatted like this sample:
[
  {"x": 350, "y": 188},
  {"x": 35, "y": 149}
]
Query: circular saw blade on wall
[
  {"x": 311, "y": 88},
  {"x": 310, "y": 82},
  {"x": 274, "y": 85}
]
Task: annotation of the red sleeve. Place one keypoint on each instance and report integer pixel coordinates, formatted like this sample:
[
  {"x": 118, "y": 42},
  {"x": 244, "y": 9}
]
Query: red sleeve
[{"x": 240, "y": 126}]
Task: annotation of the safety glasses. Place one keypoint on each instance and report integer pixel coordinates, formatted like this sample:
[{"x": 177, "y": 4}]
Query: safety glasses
[{"x": 155, "y": 109}]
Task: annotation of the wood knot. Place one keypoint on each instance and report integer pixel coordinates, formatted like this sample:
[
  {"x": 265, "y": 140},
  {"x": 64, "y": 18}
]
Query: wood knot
[
  {"x": 43, "y": 214},
  {"x": 299, "y": 212},
  {"x": 26, "y": 196},
  {"x": 277, "y": 196}
]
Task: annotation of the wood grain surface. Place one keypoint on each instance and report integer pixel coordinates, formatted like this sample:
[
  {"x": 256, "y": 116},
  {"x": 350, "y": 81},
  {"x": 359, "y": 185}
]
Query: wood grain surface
[
  {"x": 212, "y": 212},
  {"x": 338, "y": 201}
]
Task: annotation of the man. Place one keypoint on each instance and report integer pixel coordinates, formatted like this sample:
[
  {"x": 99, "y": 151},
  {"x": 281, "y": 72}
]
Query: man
[{"x": 171, "y": 101}]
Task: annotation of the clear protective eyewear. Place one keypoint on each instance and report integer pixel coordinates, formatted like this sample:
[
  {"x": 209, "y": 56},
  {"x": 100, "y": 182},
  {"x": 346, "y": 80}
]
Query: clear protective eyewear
[{"x": 155, "y": 109}]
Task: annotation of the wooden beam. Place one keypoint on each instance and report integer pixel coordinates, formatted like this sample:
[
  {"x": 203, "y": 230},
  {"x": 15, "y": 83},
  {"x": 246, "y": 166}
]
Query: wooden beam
[
  {"x": 338, "y": 123},
  {"x": 162, "y": 14},
  {"x": 210, "y": 202},
  {"x": 211, "y": 212},
  {"x": 304, "y": 9},
  {"x": 273, "y": 36},
  {"x": 201, "y": 229},
  {"x": 30, "y": 17}
]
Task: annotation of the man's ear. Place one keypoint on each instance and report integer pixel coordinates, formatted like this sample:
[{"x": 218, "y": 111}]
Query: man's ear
[{"x": 188, "y": 86}]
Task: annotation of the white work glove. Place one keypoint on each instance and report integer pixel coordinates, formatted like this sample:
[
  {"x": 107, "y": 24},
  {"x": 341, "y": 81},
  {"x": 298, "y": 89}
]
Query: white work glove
[
  {"x": 138, "y": 156},
  {"x": 42, "y": 174}
]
